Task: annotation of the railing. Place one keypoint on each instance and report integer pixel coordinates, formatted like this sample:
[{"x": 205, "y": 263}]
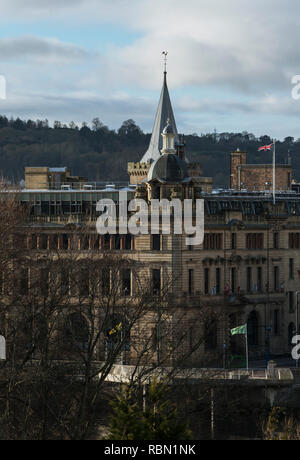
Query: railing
[
  {"x": 123, "y": 373},
  {"x": 259, "y": 374}
]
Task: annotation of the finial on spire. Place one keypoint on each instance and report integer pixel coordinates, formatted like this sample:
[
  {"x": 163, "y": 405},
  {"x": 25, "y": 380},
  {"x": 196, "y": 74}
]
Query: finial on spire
[{"x": 165, "y": 53}]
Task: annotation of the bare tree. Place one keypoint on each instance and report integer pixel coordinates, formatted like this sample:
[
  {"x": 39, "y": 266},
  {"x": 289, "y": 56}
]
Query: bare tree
[{"x": 70, "y": 316}]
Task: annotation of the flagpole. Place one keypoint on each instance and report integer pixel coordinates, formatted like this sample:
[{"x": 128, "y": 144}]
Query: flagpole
[
  {"x": 274, "y": 171},
  {"x": 242, "y": 330}
]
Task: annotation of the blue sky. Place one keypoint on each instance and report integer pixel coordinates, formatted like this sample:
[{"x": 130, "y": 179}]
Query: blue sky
[{"x": 230, "y": 63}]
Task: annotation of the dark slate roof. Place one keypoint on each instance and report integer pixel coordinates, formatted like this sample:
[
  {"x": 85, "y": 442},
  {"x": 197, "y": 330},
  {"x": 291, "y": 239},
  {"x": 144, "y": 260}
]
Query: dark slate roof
[
  {"x": 164, "y": 111},
  {"x": 169, "y": 168}
]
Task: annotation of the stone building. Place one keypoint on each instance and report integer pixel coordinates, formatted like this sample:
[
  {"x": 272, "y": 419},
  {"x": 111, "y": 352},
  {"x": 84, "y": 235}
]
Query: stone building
[
  {"x": 37, "y": 178},
  {"x": 247, "y": 270},
  {"x": 257, "y": 177}
]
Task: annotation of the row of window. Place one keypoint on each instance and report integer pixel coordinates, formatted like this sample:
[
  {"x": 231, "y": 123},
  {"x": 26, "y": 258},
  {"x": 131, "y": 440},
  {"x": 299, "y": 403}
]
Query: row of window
[
  {"x": 211, "y": 331},
  {"x": 254, "y": 281},
  {"x": 67, "y": 241},
  {"x": 83, "y": 242},
  {"x": 254, "y": 241},
  {"x": 64, "y": 283},
  {"x": 215, "y": 241},
  {"x": 212, "y": 241},
  {"x": 76, "y": 336}
]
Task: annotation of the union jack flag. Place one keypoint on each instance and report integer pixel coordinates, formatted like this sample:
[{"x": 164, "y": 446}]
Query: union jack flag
[{"x": 265, "y": 148}]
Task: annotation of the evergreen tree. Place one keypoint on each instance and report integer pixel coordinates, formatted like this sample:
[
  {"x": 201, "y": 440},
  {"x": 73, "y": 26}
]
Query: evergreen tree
[{"x": 158, "y": 421}]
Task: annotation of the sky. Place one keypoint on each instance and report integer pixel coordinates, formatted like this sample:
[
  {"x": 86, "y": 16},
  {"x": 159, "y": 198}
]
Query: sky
[{"x": 230, "y": 63}]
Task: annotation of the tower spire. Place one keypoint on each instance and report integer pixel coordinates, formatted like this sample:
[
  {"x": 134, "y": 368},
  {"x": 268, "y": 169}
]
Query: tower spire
[{"x": 164, "y": 112}]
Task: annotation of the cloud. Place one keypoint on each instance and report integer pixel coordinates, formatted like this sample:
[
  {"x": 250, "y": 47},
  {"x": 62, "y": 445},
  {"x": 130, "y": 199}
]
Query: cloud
[
  {"x": 237, "y": 44},
  {"x": 247, "y": 51},
  {"x": 41, "y": 48},
  {"x": 219, "y": 44},
  {"x": 79, "y": 107}
]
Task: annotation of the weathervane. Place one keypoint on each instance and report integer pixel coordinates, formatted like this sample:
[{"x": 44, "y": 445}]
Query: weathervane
[{"x": 165, "y": 53}]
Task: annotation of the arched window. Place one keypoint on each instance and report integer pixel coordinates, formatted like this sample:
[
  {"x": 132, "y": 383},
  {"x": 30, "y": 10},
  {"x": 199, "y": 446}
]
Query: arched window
[
  {"x": 210, "y": 335},
  {"x": 252, "y": 329},
  {"x": 77, "y": 332}
]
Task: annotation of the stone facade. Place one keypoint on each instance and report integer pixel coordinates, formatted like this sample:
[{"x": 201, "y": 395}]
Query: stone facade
[
  {"x": 138, "y": 171},
  {"x": 44, "y": 178},
  {"x": 257, "y": 177},
  {"x": 246, "y": 271}
]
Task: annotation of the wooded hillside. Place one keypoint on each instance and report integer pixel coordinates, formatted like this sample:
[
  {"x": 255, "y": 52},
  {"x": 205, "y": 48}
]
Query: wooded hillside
[{"x": 102, "y": 154}]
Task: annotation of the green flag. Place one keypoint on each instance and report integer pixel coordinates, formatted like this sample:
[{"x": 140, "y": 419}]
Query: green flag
[{"x": 239, "y": 330}]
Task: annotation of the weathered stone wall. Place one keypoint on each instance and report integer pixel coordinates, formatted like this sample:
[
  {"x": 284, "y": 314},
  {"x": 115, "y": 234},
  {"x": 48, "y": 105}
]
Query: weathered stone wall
[
  {"x": 257, "y": 177},
  {"x": 260, "y": 177}
]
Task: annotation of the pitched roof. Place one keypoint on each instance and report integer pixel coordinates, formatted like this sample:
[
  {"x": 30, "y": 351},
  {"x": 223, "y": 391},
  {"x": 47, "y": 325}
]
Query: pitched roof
[{"x": 164, "y": 111}]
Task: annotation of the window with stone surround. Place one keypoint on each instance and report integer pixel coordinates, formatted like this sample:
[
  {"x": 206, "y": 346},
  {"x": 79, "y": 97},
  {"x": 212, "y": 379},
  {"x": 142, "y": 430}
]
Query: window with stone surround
[
  {"x": 213, "y": 241},
  {"x": 294, "y": 240},
  {"x": 254, "y": 241}
]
